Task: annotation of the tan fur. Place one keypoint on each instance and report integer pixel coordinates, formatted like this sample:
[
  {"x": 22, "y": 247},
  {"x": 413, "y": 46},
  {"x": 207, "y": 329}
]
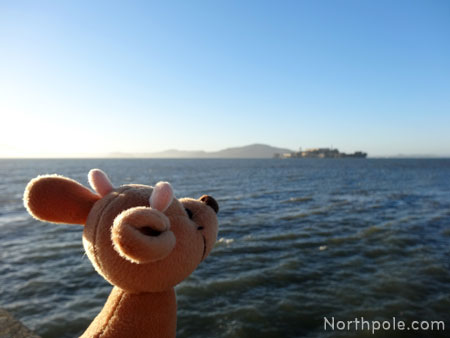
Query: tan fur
[
  {"x": 143, "y": 252},
  {"x": 136, "y": 315},
  {"x": 58, "y": 199}
]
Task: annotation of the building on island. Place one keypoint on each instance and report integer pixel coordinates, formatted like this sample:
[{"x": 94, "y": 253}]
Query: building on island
[{"x": 321, "y": 153}]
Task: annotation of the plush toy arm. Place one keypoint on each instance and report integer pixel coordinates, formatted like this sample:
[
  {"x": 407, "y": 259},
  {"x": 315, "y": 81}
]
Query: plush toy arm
[{"x": 142, "y": 235}]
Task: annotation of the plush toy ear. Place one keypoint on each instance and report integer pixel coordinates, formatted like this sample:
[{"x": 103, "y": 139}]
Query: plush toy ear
[
  {"x": 162, "y": 196},
  {"x": 100, "y": 182},
  {"x": 58, "y": 199}
]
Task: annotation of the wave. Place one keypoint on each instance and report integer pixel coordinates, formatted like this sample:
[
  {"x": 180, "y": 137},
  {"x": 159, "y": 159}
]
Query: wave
[
  {"x": 224, "y": 241},
  {"x": 298, "y": 199}
]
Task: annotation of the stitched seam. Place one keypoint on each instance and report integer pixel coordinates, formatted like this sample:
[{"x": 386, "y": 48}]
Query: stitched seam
[
  {"x": 101, "y": 214},
  {"x": 113, "y": 313}
]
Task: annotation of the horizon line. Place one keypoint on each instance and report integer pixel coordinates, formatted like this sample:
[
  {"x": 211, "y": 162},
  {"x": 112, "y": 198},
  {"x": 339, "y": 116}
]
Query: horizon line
[{"x": 418, "y": 157}]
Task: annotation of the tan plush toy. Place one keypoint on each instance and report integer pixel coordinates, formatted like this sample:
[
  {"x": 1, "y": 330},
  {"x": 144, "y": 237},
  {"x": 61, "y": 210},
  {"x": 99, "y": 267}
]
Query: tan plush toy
[{"x": 139, "y": 238}]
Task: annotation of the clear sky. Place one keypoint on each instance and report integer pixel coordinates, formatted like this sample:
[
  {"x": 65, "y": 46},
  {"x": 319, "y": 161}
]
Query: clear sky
[{"x": 93, "y": 77}]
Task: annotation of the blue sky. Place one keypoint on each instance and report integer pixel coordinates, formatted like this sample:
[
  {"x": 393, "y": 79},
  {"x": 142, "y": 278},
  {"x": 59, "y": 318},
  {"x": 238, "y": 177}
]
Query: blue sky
[{"x": 92, "y": 77}]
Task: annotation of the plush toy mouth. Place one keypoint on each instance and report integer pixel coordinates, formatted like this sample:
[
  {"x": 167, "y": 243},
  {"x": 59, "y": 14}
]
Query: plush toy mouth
[
  {"x": 204, "y": 248},
  {"x": 148, "y": 231}
]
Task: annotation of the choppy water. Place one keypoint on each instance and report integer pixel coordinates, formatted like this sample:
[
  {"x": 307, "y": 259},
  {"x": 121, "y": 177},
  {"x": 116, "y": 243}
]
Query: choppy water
[{"x": 299, "y": 240}]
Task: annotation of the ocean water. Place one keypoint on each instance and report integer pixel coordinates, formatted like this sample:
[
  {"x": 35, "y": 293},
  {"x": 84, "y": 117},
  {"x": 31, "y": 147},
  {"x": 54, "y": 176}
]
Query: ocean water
[{"x": 299, "y": 240}]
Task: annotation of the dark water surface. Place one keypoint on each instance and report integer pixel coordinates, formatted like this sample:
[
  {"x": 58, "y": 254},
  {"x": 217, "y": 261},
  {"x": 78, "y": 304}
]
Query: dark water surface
[{"x": 299, "y": 240}]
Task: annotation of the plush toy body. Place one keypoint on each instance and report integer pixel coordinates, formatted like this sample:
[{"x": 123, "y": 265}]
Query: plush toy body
[{"x": 139, "y": 238}]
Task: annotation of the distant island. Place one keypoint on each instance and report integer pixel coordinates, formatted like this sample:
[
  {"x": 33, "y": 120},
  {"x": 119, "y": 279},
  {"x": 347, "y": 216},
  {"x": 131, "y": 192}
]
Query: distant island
[
  {"x": 250, "y": 151},
  {"x": 320, "y": 153}
]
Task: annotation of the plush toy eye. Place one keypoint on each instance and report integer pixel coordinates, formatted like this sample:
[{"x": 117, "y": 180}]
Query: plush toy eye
[{"x": 189, "y": 212}]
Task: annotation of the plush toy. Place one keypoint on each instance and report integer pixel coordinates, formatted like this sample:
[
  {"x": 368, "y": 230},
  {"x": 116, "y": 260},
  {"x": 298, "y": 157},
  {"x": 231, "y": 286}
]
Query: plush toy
[{"x": 139, "y": 238}]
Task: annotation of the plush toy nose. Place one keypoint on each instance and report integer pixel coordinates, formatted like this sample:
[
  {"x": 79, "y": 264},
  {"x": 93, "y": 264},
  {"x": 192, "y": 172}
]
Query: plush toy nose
[
  {"x": 211, "y": 202},
  {"x": 142, "y": 235}
]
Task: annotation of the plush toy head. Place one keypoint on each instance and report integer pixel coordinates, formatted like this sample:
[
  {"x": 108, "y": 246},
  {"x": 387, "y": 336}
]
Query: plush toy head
[{"x": 139, "y": 238}]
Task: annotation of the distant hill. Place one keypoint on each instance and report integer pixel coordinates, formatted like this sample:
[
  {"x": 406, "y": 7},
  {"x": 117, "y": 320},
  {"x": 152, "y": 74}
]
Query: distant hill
[
  {"x": 250, "y": 151},
  {"x": 171, "y": 153}
]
